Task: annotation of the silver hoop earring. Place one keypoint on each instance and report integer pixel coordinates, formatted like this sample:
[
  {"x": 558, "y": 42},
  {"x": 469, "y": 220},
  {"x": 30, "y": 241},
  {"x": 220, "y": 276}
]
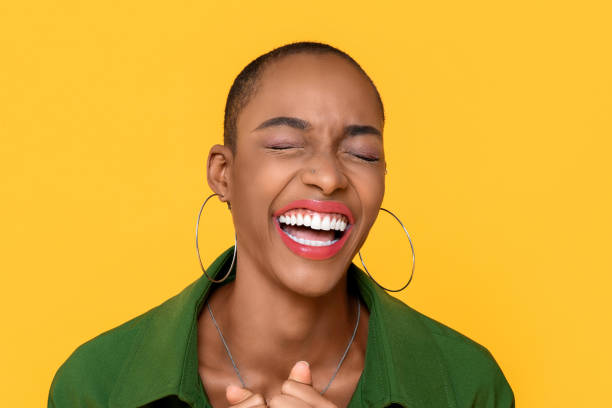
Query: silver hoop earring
[
  {"x": 411, "y": 248},
  {"x": 198, "y": 249}
]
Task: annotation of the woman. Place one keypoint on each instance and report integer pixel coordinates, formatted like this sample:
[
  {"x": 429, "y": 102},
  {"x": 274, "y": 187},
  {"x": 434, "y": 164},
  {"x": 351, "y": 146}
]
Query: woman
[{"x": 289, "y": 321}]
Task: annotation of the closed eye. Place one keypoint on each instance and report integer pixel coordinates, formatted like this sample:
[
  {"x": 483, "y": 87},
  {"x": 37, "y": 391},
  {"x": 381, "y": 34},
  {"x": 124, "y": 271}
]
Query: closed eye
[
  {"x": 366, "y": 158},
  {"x": 280, "y": 147},
  {"x": 284, "y": 150}
]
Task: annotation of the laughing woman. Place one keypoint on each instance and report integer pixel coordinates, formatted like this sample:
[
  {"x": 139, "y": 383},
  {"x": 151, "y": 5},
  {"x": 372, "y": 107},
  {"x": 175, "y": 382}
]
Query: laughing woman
[{"x": 284, "y": 319}]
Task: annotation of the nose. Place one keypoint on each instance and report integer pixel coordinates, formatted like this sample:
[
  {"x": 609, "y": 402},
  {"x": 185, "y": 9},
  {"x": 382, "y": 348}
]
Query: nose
[{"x": 325, "y": 174}]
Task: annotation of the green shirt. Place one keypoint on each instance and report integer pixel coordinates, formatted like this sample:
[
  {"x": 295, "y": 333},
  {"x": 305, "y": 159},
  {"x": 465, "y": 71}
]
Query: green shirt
[{"x": 152, "y": 360}]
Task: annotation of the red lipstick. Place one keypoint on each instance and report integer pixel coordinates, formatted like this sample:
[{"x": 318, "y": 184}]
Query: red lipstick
[{"x": 326, "y": 207}]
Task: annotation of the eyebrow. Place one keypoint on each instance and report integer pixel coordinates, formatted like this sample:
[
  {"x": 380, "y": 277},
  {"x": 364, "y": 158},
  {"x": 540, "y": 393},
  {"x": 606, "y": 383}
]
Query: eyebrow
[
  {"x": 301, "y": 124},
  {"x": 296, "y": 123},
  {"x": 354, "y": 130}
]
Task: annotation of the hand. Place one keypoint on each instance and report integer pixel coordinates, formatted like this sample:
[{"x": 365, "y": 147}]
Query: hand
[
  {"x": 297, "y": 391},
  {"x": 243, "y": 398}
]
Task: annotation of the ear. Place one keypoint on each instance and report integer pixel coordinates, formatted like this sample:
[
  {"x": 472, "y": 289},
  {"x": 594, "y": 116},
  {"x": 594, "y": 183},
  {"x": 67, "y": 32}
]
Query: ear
[{"x": 218, "y": 174}]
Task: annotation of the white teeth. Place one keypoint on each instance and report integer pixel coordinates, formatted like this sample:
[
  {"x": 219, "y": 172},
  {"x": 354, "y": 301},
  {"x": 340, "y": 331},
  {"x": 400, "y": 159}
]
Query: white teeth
[
  {"x": 337, "y": 225},
  {"x": 325, "y": 224},
  {"x": 311, "y": 243},
  {"x": 316, "y": 222}
]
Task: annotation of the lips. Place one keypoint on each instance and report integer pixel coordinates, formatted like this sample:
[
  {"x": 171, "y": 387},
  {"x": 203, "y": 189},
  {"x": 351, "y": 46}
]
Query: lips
[{"x": 314, "y": 229}]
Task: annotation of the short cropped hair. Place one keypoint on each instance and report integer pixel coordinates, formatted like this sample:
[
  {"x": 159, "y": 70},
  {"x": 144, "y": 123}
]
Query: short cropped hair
[{"x": 245, "y": 83}]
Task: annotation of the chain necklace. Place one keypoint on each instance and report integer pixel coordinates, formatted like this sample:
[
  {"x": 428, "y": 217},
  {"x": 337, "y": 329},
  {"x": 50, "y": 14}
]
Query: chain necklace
[{"x": 236, "y": 367}]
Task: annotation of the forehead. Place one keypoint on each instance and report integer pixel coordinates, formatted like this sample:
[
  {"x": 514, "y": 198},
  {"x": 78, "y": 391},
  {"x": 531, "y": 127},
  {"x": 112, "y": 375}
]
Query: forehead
[{"x": 324, "y": 89}]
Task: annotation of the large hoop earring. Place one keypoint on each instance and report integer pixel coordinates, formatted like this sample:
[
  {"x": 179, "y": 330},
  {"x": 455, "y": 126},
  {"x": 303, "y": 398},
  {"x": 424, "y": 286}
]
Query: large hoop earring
[
  {"x": 411, "y": 248},
  {"x": 198, "y": 249}
]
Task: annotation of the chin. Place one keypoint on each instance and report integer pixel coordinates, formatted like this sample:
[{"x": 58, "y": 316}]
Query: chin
[{"x": 310, "y": 280}]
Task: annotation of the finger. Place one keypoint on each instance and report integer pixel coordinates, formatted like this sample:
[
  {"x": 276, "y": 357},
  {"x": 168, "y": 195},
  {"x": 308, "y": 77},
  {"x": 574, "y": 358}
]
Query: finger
[
  {"x": 249, "y": 406},
  {"x": 306, "y": 393},
  {"x": 236, "y": 395},
  {"x": 242, "y": 397},
  {"x": 255, "y": 400},
  {"x": 287, "y": 401},
  {"x": 301, "y": 373}
]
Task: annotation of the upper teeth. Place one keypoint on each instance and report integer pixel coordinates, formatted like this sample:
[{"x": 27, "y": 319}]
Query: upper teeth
[{"x": 314, "y": 220}]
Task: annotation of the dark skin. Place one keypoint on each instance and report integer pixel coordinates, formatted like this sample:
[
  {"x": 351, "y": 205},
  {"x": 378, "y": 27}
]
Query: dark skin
[{"x": 283, "y": 308}]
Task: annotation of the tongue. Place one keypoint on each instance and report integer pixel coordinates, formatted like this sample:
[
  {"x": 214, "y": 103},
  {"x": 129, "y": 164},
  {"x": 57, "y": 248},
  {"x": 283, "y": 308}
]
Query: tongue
[{"x": 310, "y": 234}]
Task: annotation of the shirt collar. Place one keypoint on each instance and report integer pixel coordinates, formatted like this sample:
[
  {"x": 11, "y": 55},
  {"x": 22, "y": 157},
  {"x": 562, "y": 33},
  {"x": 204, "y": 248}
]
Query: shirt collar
[{"x": 402, "y": 363}]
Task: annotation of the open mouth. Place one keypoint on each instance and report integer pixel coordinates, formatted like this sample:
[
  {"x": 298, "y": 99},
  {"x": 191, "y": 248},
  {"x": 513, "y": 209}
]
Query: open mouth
[
  {"x": 314, "y": 229},
  {"x": 311, "y": 228}
]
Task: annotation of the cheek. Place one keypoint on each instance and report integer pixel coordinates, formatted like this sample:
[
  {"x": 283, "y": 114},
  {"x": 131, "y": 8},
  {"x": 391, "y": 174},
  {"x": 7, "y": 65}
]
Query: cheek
[
  {"x": 371, "y": 190},
  {"x": 254, "y": 188},
  {"x": 371, "y": 187},
  {"x": 260, "y": 178}
]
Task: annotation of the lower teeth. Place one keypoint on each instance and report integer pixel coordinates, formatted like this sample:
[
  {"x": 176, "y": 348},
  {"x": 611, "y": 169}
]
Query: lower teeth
[{"x": 311, "y": 243}]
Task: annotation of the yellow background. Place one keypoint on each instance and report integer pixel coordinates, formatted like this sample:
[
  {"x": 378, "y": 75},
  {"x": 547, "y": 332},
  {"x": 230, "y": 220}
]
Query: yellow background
[{"x": 498, "y": 144}]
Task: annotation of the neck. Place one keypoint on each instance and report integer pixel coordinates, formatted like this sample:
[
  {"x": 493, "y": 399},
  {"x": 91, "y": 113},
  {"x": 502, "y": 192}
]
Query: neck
[{"x": 269, "y": 327}]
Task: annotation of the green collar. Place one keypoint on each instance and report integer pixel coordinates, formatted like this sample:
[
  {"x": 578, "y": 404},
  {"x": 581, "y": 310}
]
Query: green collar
[{"x": 402, "y": 363}]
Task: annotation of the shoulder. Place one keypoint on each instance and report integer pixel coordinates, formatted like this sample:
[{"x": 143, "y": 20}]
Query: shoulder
[
  {"x": 88, "y": 376},
  {"x": 457, "y": 347},
  {"x": 476, "y": 377}
]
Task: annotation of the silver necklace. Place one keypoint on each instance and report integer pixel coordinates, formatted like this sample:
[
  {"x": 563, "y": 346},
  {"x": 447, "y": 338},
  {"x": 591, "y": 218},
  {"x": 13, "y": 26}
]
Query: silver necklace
[{"x": 236, "y": 367}]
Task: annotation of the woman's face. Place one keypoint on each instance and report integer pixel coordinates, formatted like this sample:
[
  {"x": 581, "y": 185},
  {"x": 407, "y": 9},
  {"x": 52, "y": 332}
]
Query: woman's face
[{"x": 309, "y": 150}]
